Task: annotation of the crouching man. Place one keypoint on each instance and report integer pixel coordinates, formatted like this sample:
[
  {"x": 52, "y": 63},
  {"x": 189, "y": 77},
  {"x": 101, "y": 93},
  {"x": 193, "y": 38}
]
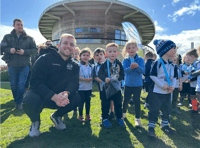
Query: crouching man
[{"x": 54, "y": 84}]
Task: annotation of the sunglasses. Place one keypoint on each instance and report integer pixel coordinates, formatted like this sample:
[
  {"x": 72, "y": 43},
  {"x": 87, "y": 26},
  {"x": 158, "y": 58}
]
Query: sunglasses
[{"x": 49, "y": 44}]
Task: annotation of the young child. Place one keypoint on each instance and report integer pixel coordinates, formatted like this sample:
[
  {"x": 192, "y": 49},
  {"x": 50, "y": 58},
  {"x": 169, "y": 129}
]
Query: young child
[
  {"x": 111, "y": 72},
  {"x": 99, "y": 55},
  {"x": 192, "y": 59},
  {"x": 76, "y": 54},
  {"x": 149, "y": 58},
  {"x": 198, "y": 83},
  {"x": 178, "y": 86},
  {"x": 76, "y": 58},
  {"x": 85, "y": 83},
  {"x": 163, "y": 77},
  {"x": 134, "y": 68},
  {"x": 184, "y": 67}
]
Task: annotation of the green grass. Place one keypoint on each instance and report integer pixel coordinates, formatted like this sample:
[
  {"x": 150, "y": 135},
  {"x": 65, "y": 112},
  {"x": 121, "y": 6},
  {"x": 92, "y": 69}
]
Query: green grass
[{"x": 15, "y": 127}]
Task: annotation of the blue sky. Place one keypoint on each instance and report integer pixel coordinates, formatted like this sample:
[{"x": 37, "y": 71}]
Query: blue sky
[{"x": 178, "y": 20}]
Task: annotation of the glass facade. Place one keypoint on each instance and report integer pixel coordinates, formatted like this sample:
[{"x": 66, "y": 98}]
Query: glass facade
[{"x": 120, "y": 35}]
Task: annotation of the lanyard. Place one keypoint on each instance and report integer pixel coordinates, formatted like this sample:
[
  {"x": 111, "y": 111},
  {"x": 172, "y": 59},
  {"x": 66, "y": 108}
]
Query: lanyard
[
  {"x": 168, "y": 79},
  {"x": 86, "y": 75},
  {"x": 132, "y": 59},
  {"x": 191, "y": 69},
  {"x": 109, "y": 68}
]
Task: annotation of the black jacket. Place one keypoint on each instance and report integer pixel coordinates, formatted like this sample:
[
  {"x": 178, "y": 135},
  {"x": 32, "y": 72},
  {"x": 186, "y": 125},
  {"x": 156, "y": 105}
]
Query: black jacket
[
  {"x": 48, "y": 50},
  {"x": 24, "y": 42},
  {"x": 52, "y": 75},
  {"x": 148, "y": 67},
  {"x": 103, "y": 72}
]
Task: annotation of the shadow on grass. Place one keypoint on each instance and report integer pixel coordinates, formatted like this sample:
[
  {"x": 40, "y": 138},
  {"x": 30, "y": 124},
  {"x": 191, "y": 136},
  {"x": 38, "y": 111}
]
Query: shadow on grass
[
  {"x": 8, "y": 109},
  {"x": 142, "y": 136}
]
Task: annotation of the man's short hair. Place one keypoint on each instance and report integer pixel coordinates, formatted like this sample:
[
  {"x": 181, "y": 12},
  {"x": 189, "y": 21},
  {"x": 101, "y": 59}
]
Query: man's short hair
[
  {"x": 112, "y": 45},
  {"x": 98, "y": 50},
  {"x": 192, "y": 52},
  {"x": 149, "y": 54},
  {"x": 17, "y": 19},
  {"x": 48, "y": 41},
  {"x": 68, "y": 36}
]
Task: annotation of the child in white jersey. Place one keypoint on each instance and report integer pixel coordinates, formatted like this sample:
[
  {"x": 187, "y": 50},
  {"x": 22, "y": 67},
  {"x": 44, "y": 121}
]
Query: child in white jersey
[
  {"x": 85, "y": 83},
  {"x": 178, "y": 86},
  {"x": 163, "y": 79}
]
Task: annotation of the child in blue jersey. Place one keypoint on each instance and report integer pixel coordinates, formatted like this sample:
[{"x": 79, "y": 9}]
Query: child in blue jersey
[
  {"x": 111, "y": 72},
  {"x": 76, "y": 54},
  {"x": 184, "y": 67},
  {"x": 134, "y": 68},
  {"x": 85, "y": 83},
  {"x": 192, "y": 59},
  {"x": 99, "y": 55},
  {"x": 163, "y": 75}
]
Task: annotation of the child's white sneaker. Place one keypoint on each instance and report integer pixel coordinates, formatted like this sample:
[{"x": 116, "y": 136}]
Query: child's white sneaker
[
  {"x": 138, "y": 122},
  {"x": 124, "y": 116}
]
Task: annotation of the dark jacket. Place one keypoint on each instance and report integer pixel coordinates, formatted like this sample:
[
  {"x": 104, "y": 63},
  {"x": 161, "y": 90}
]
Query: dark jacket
[
  {"x": 52, "y": 75},
  {"x": 148, "y": 68},
  {"x": 103, "y": 71},
  {"x": 48, "y": 50},
  {"x": 24, "y": 42}
]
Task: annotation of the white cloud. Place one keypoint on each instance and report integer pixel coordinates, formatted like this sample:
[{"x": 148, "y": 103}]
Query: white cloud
[
  {"x": 174, "y": 2},
  {"x": 163, "y": 6},
  {"x": 191, "y": 10},
  {"x": 183, "y": 40},
  {"x": 35, "y": 33},
  {"x": 158, "y": 27}
]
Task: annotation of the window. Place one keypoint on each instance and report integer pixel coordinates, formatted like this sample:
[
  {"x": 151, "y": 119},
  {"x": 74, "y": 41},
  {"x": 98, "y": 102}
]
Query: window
[
  {"x": 82, "y": 40},
  {"x": 120, "y": 35},
  {"x": 85, "y": 29},
  {"x": 93, "y": 29},
  {"x": 94, "y": 40},
  {"x": 78, "y": 30}
]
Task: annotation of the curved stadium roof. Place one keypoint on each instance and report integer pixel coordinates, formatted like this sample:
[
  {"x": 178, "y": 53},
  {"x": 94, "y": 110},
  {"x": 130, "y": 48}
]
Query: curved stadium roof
[{"x": 140, "y": 19}]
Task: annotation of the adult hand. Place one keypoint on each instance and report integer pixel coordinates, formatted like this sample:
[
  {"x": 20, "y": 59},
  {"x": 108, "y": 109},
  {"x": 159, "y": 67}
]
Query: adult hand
[
  {"x": 107, "y": 80},
  {"x": 20, "y": 52},
  {"x": 60, "y": 99},
  {"x": 12, "y": 50}
]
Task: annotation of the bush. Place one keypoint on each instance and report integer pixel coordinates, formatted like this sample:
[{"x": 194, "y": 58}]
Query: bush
[{"x": 5, "y": 76}]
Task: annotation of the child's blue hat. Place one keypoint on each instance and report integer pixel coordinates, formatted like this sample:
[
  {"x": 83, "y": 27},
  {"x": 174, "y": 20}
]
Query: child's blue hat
[{"x": 163, "y": 46}]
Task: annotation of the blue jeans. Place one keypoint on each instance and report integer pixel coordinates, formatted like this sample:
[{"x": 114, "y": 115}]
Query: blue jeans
[{"x": 18, "y": 76}]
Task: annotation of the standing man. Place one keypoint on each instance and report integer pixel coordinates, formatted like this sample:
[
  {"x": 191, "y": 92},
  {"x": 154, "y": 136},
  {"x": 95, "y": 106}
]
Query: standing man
[
  {"x": 17, "y": 48},
  {"x": 48, "y": 43},
  {"x": 54, "y": 84}
]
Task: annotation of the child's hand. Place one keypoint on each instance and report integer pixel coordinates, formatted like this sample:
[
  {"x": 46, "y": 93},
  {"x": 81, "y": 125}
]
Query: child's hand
[
  {"x": 165, "y": 87},
  {"x": 186, "y": 72},
  {"x": 171, "y": 89},
  {"x": 88, "y": 79},
  {"x": 107, "y": 80},
  {"x": 134, "y": 65}
]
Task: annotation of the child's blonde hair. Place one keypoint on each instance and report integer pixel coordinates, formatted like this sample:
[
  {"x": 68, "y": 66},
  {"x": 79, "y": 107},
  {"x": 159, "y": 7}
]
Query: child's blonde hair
[
  {"x": 84, "y": 50},
  {"x": 124, "y": 51},
  {"x": 183, "y": 59},
  {"x": 77, "y": 49},
  {"x": 112, "y": 45}
]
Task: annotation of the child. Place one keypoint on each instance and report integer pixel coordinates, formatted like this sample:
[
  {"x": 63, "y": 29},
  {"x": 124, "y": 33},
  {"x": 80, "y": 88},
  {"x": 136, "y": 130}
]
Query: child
[
  {"x": 76, "y": 59},
  {"x": 198, "y": 84},
  {"x": 111, "y": 72},
  {"x": 149, "y": 58},
  {"x": 192, "y": 59},
  {"x": 85, "y": 83},
  {"x": 99, "y": 55},
  {"x": 163, "y": 77},
  {"x": 76, "y": 54},
  {"x": 133, "y": 68},
  {"x": 184, "y": 67},
  {"x": 178, "y": 86}
]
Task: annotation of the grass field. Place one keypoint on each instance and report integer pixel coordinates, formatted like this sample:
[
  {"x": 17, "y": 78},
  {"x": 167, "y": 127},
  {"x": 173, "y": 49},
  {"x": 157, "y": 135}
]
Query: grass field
[{"x": 15, "y": 126}]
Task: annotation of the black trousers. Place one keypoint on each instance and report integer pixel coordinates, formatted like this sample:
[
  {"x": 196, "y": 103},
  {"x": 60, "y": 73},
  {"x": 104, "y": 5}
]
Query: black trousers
[
  {"x": 85, "y": 98},
  {"x": 33, "y": 105},
  {"x": 136, "y": 91},
  {"x": 174, "y": 98},
  {"x": 159, "y": 102},
  {"x": 117, "y": 99}
]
